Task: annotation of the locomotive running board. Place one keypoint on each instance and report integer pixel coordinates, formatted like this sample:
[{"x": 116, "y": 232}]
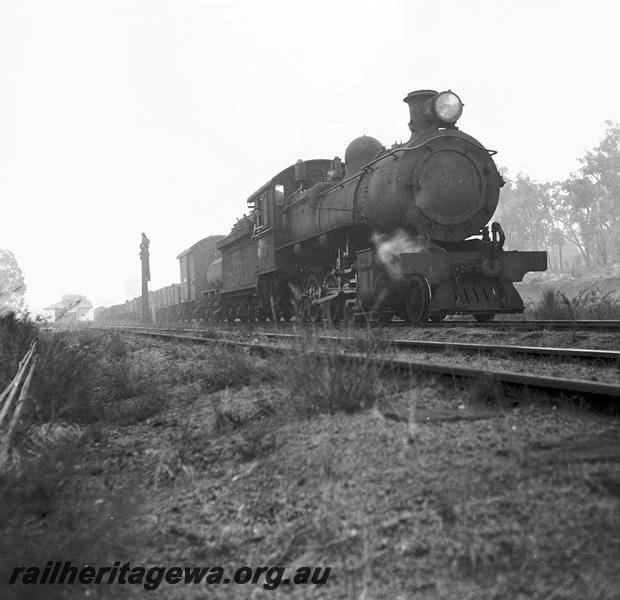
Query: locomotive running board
[{"x": 439, "y": 268}]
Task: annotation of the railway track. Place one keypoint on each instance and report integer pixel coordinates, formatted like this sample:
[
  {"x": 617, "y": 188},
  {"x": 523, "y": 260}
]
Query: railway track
[
  {"x": 403, "y": 364},
  {"x": 578, "y": 353},
  {"x": 585, "y": 354}
]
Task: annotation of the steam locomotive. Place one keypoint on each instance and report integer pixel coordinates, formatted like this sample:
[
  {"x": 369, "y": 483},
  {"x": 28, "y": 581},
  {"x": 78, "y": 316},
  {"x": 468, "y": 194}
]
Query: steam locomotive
[{"x": 400, "y": 231}]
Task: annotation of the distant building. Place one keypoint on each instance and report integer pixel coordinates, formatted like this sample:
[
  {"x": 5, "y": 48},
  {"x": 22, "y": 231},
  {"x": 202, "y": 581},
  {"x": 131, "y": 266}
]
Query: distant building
[{"x": 73, "y": 308}]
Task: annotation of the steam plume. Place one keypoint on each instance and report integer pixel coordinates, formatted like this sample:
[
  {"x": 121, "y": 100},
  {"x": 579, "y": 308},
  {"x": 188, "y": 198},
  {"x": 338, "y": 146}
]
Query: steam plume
[{"x": 389, "y": 248}]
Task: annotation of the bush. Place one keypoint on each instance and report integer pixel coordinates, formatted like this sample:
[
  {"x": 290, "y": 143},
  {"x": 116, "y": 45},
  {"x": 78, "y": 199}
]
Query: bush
[{"x": 329, "y": 384}]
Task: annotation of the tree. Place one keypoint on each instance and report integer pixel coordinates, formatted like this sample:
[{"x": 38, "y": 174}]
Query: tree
[
  {"x": 587, "y": 204},
  {"x": 525, "y": 213},
  {"x": 12, "y": 286}
]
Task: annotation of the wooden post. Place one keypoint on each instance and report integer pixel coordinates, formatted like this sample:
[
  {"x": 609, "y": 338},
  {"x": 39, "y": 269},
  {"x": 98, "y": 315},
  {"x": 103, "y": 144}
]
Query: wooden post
[{"x": 146, "y": 277}]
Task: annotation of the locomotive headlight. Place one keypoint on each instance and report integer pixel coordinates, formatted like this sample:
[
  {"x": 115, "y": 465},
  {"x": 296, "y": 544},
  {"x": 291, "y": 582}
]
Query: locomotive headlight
[{"x": 448, "y": 107}]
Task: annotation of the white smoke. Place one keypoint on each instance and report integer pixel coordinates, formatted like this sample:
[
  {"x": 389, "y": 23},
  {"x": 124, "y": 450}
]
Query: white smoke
[{"x": 389, "y": 248}]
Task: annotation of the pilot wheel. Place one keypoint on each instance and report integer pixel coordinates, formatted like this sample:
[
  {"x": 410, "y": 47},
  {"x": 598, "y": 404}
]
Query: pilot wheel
[{"x": 418, "y": 299}]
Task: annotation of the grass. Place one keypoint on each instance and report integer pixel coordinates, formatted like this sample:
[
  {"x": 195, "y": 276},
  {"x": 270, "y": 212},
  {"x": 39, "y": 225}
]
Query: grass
[
  {"x": 213, "y": 369},
  {"x": 16, "y": 334},
  {"x": 318, "y": 383},
  {"x": 228, "y": 367},
  {"x": 252, "y": 483},
  {"x": 255, "y": 441},
  {"x": 46, "y": 514},
  {"x": 588, "y": 303},
  {"x": 81, "y": 376},
  {"x": 487, "y": 393},
  {"x": 83, "y": 380}
]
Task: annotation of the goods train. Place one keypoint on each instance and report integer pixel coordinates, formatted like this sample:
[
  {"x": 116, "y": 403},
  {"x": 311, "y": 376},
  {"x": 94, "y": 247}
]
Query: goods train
[{"x": 391, "y": 232}]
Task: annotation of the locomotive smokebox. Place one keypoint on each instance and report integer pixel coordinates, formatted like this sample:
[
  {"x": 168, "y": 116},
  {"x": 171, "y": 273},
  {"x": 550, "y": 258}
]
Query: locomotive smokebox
[{"x": 442, "y": 182}]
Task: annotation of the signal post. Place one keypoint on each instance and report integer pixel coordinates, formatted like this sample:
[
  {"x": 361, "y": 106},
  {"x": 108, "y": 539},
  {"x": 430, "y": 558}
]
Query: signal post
[{"x": 146, "y": 277}]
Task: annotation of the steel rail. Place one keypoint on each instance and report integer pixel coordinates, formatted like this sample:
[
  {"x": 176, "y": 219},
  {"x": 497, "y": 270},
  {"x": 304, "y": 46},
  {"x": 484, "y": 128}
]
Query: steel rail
[
  {"x": 581, "y": 353},
  {"x": 407, "y": 366},
  {"x": 555, "y": 352}
]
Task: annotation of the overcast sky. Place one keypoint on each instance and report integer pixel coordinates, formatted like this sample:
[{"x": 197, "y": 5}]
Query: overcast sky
[{"x": 118, "y": 117}]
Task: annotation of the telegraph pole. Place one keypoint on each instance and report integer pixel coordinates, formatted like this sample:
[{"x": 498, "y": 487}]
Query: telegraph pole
[{"x": 146, "y": 277}]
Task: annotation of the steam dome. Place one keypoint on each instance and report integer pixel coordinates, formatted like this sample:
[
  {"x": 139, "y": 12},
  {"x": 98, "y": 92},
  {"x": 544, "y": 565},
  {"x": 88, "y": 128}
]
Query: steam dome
[{"x": 360, "y": 152}]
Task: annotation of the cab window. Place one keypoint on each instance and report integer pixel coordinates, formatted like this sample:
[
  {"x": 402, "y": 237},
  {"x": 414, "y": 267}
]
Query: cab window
[{"x": 261, "y": 212}]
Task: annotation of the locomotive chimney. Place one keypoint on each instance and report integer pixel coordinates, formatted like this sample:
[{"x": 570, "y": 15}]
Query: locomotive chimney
[{"x": 422, "y": 117}]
